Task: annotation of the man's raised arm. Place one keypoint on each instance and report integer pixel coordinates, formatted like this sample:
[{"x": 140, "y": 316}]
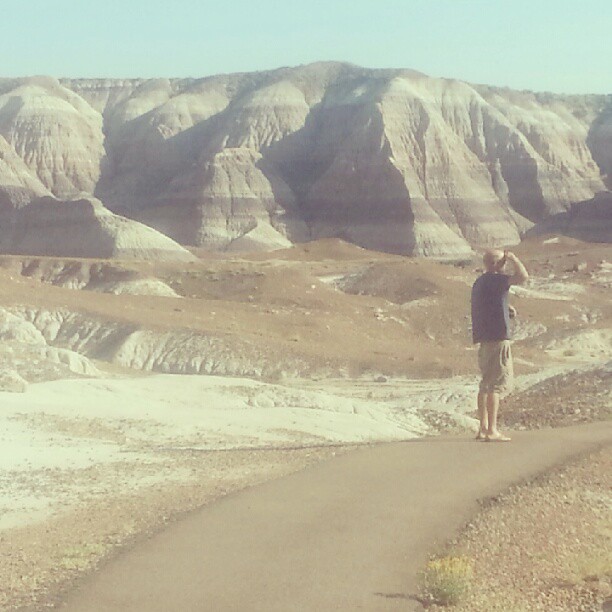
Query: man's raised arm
[{"x": 520, "y": 272}]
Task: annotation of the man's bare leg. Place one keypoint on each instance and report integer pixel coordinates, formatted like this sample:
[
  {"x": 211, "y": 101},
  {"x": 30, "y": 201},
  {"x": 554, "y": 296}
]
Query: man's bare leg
[
  {"x": 482, "y": 416},
  {"x": 492, "y": 402}
]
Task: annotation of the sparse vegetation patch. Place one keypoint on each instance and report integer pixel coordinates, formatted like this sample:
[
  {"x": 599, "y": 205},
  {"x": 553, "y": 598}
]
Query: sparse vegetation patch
[{"x": 447, "y": 580}]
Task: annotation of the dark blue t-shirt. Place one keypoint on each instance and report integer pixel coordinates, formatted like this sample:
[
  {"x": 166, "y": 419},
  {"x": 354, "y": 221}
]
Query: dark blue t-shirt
[{"x": 490, "y": 317}]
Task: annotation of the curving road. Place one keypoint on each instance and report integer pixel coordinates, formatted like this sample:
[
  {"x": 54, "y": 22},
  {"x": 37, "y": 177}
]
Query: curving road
[{"x": 346, "y": 534}]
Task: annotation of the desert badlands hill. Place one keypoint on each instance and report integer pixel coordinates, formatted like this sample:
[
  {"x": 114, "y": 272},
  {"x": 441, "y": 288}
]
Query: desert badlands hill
[{"x": 390, "y": 160}]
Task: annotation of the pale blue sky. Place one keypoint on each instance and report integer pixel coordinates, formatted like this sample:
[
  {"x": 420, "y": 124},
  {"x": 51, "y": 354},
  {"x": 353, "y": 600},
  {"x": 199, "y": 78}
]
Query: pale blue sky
[{"x": 544, "y": 45}]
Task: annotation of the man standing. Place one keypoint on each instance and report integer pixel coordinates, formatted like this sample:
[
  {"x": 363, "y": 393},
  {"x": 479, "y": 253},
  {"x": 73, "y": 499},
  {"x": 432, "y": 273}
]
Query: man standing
[{"x": 491, "y": 329}]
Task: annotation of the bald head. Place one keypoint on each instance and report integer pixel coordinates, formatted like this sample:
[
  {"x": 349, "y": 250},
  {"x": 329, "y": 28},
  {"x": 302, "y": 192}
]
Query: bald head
[{"x": 491, "y": 259}]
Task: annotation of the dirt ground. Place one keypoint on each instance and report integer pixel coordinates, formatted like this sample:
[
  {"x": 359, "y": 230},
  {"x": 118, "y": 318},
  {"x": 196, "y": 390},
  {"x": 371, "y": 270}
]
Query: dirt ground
[
  {"x": 357, "y": 342},
  {"x": 339, "y": 309}
]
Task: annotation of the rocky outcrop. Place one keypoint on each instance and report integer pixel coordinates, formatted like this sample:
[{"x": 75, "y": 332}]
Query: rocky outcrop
[
  {"x": 600, "y": 142},
  {"x": 18, "y": 185},
  {"x": 590, "y": 220},
  {"x": 388, "y": 159},
  {"x": 103, "y": 277},
  {"x": 187, "y": 352},
  {"x": 85, "y": 228},
  {"x": 24, "y": 348},
  {"x": 55, "y": 132}
]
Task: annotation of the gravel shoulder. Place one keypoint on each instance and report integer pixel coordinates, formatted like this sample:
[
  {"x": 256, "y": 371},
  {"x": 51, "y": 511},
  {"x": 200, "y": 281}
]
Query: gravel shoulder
[{"x": 544, "y": 545}]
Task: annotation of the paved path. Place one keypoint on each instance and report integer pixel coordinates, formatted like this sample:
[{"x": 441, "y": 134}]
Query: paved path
[{"x": 346, "y": 534}]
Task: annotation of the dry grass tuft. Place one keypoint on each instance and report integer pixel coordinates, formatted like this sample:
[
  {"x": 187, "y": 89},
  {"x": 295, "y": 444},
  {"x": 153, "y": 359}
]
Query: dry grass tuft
[{"x": 447, "y": 580}]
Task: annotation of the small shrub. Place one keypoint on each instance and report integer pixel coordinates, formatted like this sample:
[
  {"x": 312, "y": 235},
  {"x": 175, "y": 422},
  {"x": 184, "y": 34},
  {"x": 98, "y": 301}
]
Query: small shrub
[
  {"x": 597, "y": 566},
  {"x": 82, "y": 556},
  {"x": 447, "y": 580}
]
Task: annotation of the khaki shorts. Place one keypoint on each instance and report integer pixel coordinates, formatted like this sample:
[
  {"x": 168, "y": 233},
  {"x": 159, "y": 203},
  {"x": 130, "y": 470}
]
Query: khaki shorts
[{"x": 495, "y": 362}]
